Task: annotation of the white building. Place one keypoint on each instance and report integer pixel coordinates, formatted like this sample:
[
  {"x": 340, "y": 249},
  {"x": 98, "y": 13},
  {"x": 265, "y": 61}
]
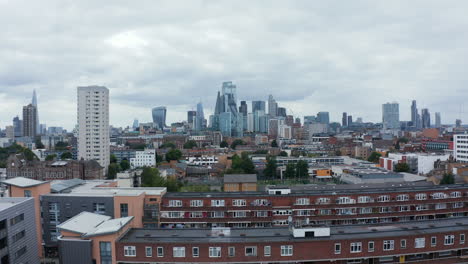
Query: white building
[
  {"x": 93, "y": 124},
  {"x": 460, "y": 147},
  {"x": 145, "y": 158},
  {"x": 203, "y": 160}
]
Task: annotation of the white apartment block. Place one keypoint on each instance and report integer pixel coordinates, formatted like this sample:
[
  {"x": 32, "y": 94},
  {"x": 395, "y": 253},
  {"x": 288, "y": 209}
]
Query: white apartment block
[
  {"x": 93, "y": 124},
  {"x": 202, "y": 161},
  {"x": 460, "y": 147},
  {"x": 145, "y": 158}
]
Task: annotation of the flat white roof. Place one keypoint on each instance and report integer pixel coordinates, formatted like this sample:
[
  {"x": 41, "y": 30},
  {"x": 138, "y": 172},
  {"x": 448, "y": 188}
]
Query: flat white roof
[
  {"x": 22, "y": 182},
  {"x": 89, "y": 224}
]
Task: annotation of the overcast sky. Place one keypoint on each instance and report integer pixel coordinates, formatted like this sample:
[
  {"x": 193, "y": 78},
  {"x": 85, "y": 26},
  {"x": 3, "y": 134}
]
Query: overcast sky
[{"x": 312, "y": 56}]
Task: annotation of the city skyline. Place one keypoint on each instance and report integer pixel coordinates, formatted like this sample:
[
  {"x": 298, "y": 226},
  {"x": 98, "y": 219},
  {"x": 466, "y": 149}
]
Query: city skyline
[{"x": 389, "y": 55}]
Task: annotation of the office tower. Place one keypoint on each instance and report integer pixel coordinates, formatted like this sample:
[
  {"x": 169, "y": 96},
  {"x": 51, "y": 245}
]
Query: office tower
[
  {"x": 226, "y": 102},
  {"x": 159, "y": 116},
  {"x": 250, "y": 122},
  {"x": 437, "y": 120},
  {"x": 281, "y": 112},
  {"x": 458, "y": 123},
  {"x": 191, "y": 117},
  {"x": 273, "y": 126},
  {"x": 289, "y": 120},
  {"x": 29, "y": 121},
  {"x": 323, "y": 118},
  {"x": 272, "y": 106},
  {"x": 414, "y": 114},
  {"x": 55, "y": 130},
  {"x": 34, "y": 103},
  {"x": 243, "y": 110},
  {"x": 10, "y": 132},
  {"x": 359, "y": 120},
  {"x": 344, "y": 119},
  {"x": 136, "y": 124},
  {"x": 390, "y": 116},
  {"x": 350, "y": 120},
  {"x": 425, "y": 118},
  {"x": 199, "y": 118},
  {"x": 297, "y": 120},
  {"x": 258, "y": 106},
  {"x": 18, "y": 126},
  {"x": 225, "y": 124},
  {"x": 93, "y": 124},
  {"x": 309, "y": 120}
]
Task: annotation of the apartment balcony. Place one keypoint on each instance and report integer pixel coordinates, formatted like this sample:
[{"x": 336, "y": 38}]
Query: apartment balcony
[{"x": 215, "y": 220}]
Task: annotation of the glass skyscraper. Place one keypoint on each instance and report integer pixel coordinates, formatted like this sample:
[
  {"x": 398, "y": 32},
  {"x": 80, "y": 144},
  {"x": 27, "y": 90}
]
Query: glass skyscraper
[{"x": 159, "y": 116}]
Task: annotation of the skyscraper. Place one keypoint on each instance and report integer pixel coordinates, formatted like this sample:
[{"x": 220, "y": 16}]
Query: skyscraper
[
  {"x": 323, "y": 118},
  {"x": 437, "y": 120},
  {"x": 344, "y": 119},
  {"x": 414, "y": 114},
  {"x": 159, "y": 116},
  {"x": 34, "y": 103},
  {"x": 390, "y": 116},
  {"x": 191, "y": 117},
  {"x": 93, "y": 124},
  {"x": 243, "y": 110},
  {"x": 18, "y": 126},
  {"x": 258, "y": 106},
  {"x": 281, "y": 112},
  {"x": 425, "y": 118},
  {"x": 272, "y": 106},
  {"x": 136, "y": 124},
  {"x": 227, "y": 103},
  {"x": 199, "y": 118},
  {"x": 350, "y": 120},
  {"x": 29, "y": 121}
]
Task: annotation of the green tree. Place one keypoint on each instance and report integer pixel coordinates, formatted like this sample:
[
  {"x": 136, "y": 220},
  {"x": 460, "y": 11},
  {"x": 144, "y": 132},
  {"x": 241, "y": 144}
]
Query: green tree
[
  {"x": 112, "y": 170},
  {"x": 374, "y": 157},
  {"x": 283, "y": 154},
  {"x": 150, "y": 178},
  {"x": 29, "y": 155},
  {"x": 223, "y": 144},
  {"x": 402, "y": 167},
  {"x": 290, "y": 171},
  {"x": 274, "y": 144},
  {"x": 61, "y": 145},
  {"x": 50, "y": 157},
  {"x": 448, "y": 179},
  {"x": 159, "y": 158},
  {"x": 66, "y": 155},
  {"x": 302, "y": 169},
  {"x": 236, "y": 143},
  {"x": 39, "y": 144},
  {"x": 113, "y": 158},
  {"x": 173, "y": 154},
  {"x": 190, "y": 144},
  {"x": 125, "y": 165},
  {"x": 172, "y": 185},
  {"x": 270, "y": 168},
  {"x": 247, "y": 164},
  {"x": 168, "y": 145}
]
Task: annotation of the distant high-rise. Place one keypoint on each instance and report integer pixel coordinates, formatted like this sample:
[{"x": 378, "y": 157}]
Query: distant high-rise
[
  {"x": 159, "y": 116},
  {"x": 226, "y": 102},
  {"x": 34, "y": 103},
  {"x": 18, "y": 126},
  {"x": 390, "y": 116},
  {"x": 93, "y": 124},
  {"x": 309, "y": 120},
  {"x": 425, "y": 118},
  {"x": 281, "y": 112},
  {"x": 199, "y": 118},
  {"x": 414, "y": 115},
  {"x": 458, "y": 123},
  {"x": 272, "y": 106},
  {"x": 437, "y": 120},
  {"x": 350, "y": 120},
  {"x": 344, "y": 119},
  {"x": 191, "y": 117},
  {"x": 323, "y": 118},
  {"x": 243, "y": 111},
  {"x": 258, "y": 106},
  {"x": 136, "y": 124},
  {"x": 29, "y": 121}
]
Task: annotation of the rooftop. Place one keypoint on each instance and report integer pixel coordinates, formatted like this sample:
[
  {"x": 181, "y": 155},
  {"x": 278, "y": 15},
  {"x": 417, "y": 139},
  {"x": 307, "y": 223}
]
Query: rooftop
[
  {"x": 236, "y": 178},
  {"x": 9, "y": 202},
  {"x": 22, "y": 182},
  {"x": 284, "y": 234},
  {"x": 89, "y": 224}
]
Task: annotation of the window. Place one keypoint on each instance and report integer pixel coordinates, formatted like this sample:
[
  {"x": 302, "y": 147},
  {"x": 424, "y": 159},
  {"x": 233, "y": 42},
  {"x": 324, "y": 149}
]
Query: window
[
  {"x": 403, "y": 243},
  {"x": 123, "y": 210},
  {"x": 462, "y": 238},
  {"x": 149, "y": 252},
  {"x": 402, "y": 197},
  {"x": 196, "y": 203},
  {"x": 217, "y": 203},
  {"x": 27, "y": 193},
  {"x": 388, "y": 245},
  {"x": 356, "y": 247},
  {"x": 20, "y": 252},
  {"x": 16, "y": 219},
  {"x": 439, "y": 195},
  {"x": 433, "y": 241},
  {"x": 455, "y": 194},
  {"x": 105, "y": 250},
  {"x": 449, "y": 240},
  {"x": 239, "y": 214},
  {"x": 160, "y": 251},
  {"x": 384, "y": 198},
  {"x": 345, "y": 200},
  {"x": 261, "y": 202},
  {"x": 267, "y": 251},
  {"x": 99, "y": 208},
  {"x": 195, "y": 252},
  {"x": 178, "y": 252},
  {"x": 19, "y": 236},
  {"x": 217, "y": 214},
  {"x": 286, "y": 250},
  {"x": 419, "y": 242},
  {"x": 364, "y": 199},
  {"x": 371, "y": 246},
  {"x": 366, "y": 210},
  {"x": 231, "y": 251},
  {"x": 323, "y": 200},
  {"x": 302, "y": 201},
  {"x": 215, "y": 252},
  {"x": 129, "y": 251},
  {"x": 250, "y": 251},
  {"x": 239, "y": 202},
  {"x": 175, "y": 203},
  {"x": 338, "y": 248},
  {"x": 421, "y": 196}
]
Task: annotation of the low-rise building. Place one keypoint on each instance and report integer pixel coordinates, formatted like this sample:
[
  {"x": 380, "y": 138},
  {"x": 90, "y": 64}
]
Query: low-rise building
[
  {"x": 146, "y": 158},
  {"x": 240, "y": 182}
]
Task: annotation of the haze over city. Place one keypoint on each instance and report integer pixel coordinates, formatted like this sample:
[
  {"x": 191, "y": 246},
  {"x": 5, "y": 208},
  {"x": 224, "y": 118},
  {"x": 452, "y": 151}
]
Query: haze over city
[{"x": 332, "y": 56}]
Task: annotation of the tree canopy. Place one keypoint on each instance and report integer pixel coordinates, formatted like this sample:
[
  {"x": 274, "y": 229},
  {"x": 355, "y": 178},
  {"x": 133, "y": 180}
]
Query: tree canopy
[
  {"x": 66, "y": 155},
  {"x": 50, "y": 157},
  {"x": 173, "y": 154},
  {"x": 125, "y": 165},
  {"x": 374, "y": 157},
  {"x": 290, "y": 171},
  {"x": 60, "y": 145},
  {"x": 236, "y": 143},
  {"x": 270, "y": 168},
  {"x": 223, "y": 144},
  {"x": 242, "y": 164},
  {"x": 274, "y": 144},
  {"x": 302, "y": 169},
  {"x": 448, "y": 179},
  {"x": 402, "y": 167},
  {"x": 283, "y": 154},
  {"x": 190, "y": 144},
  {"x": 150, "y": 178},
  {"x": 168, "y": 145}
]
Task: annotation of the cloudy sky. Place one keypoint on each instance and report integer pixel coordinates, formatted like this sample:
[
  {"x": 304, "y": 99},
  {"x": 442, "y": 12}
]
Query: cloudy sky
[{"x": 311, "y": 55}]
